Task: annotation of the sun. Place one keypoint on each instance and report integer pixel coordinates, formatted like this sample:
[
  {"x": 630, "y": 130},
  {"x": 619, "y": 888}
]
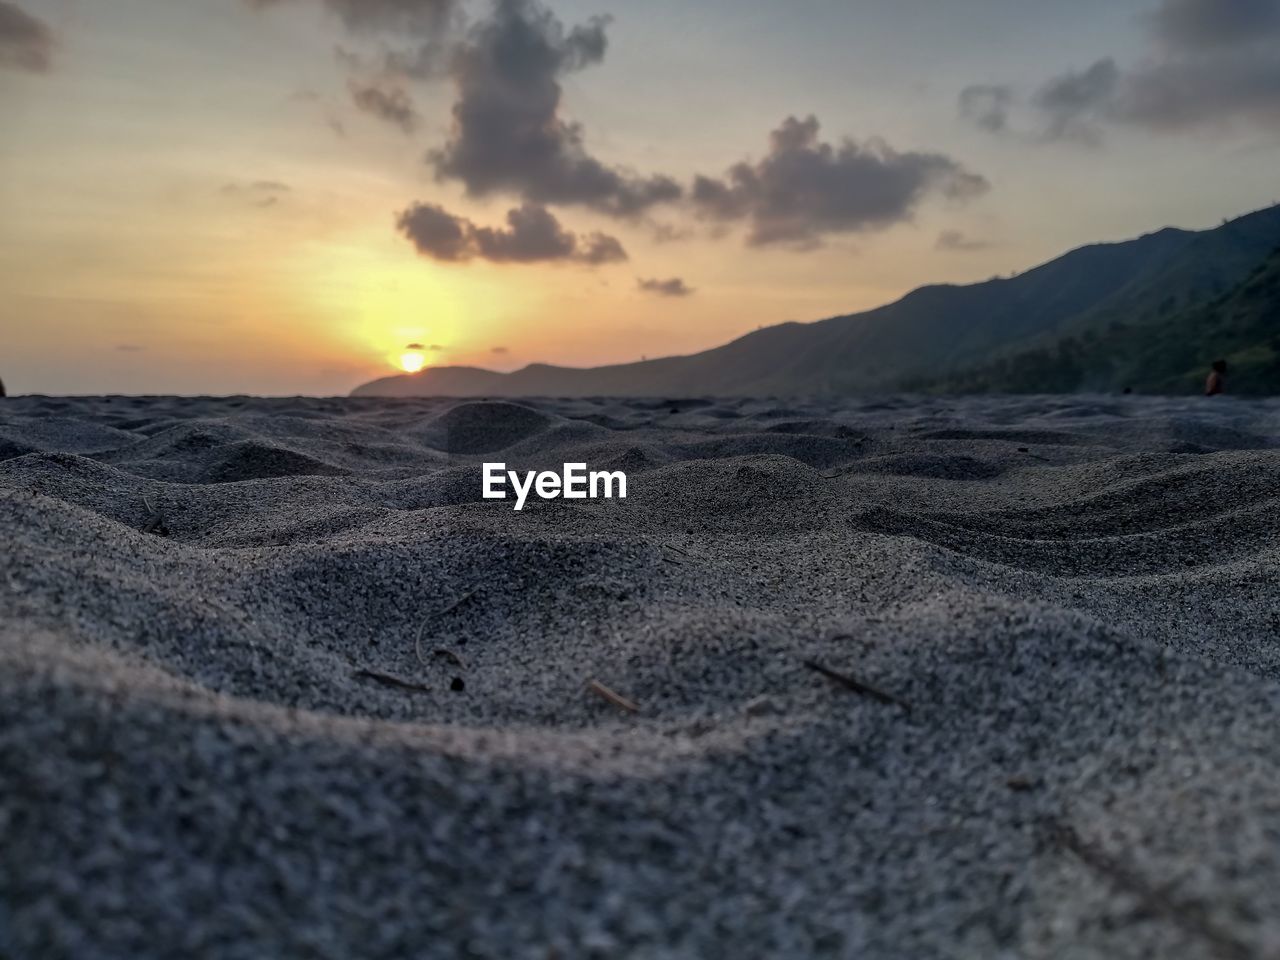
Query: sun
[{"x": 413, "y": 359}]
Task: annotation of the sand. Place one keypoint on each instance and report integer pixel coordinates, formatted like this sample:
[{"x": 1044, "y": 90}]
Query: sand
[{"x": 277, "y": 682}]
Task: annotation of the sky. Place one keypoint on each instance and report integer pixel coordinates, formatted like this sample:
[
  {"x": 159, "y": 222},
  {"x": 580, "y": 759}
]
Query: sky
[{"x": 278, "y": 196}]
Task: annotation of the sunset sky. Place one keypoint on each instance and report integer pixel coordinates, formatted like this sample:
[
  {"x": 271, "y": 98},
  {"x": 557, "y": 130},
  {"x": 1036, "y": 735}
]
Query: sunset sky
[{"x": 276, "y": 196}]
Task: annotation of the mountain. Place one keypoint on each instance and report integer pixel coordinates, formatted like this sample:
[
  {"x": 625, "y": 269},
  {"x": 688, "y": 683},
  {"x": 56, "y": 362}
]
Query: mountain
[
  {"x": 931, "y": 334},
  {"x": 1173, "y": 356}
]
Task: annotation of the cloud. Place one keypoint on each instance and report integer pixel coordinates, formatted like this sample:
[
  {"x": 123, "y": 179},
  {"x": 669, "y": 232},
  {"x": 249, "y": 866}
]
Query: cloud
[
  {"x": 670, "y": 233},
  {"x": 1166, "y": 97},
  {"x": 500, "y": 351},
  {"x": 675, "y": 287},
  {"x": 390, "y": 16},
  {"x": 804, "y": 190},
  {"x": 510, "y": 137},
  {"x": 955, "y": 240},
  {"x": 532, "y": 235},
  {"x": 1212, "y": 63},
  {"x": 386, "y": 101},
  {"x": 412, "y": 37},
  {"x": 1071, "y": 102},
  {"x": 508, "y": 132},
  {"x": 259, "y": 193},
  {"x": 987, "y": 105},
  {"x": 1206, "y": 24},
  {"x": 26, "y": 43}
]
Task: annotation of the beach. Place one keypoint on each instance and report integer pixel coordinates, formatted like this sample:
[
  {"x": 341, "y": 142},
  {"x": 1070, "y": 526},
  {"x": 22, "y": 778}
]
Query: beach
[{"x": 891, "y": 677}]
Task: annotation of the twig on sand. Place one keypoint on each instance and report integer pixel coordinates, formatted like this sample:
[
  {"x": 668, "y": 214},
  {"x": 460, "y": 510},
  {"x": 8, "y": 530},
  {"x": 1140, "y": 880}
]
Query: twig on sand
[
  {"x": 1190, "y": 916},
  {"x": 612, "y": 696},
  {"x": 389, "y": 681},
  {"x": 422, "y": 627},
  {"x": 857, "y": 686},
  {"x": 155, "y": 520},
  {"x": 684, "y": 553}
]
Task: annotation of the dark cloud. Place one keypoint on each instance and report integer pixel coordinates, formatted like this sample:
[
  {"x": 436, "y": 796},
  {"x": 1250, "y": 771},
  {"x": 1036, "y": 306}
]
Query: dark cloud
[
  {"x": 386, "y": 101},
  {"x": 675, "y": 287},
  {"x": 500, "y": 351},
  {"x": 508, "y": 132},
  {"x": 1165, "y": 96},
  {"x": 1207, "y": 24},
  {"x": 987, "y": 105},
  {"x": 1213, "y": 63},
  {"x": 26, "y": 43},
  {"x": 804, "y": 189},
  {"x": 955, "y": 240},
  {"x": 1244, "y": 85},
  {"x": 436, "y": 233},
  {"x": 532, "y": 235}
]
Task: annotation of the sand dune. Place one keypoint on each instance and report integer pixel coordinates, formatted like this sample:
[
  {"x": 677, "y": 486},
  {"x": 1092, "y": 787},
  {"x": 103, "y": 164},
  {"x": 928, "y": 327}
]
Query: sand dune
[{"x": 334, "y": 703}]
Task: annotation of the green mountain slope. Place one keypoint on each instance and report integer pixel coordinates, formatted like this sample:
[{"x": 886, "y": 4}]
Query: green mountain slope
[{"x": 1169, "y": 355}]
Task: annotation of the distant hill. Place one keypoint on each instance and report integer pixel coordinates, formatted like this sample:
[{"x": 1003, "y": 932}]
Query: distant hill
[
  {"x": 1172, "y": 355},
  {"x": 931, "y": 336}
]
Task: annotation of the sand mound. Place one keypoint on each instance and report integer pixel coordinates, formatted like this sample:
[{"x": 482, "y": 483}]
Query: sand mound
[
  {"x": 275, "y": 680},
  {"x": 474, "y": 428}
]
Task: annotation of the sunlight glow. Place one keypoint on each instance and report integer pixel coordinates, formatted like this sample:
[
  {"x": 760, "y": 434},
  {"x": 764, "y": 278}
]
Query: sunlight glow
[{"x": 413, "y": 359}]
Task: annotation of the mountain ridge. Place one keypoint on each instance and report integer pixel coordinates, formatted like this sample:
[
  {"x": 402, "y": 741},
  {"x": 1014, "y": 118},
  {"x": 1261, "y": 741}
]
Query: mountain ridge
[{"x": 931, "y": 332}]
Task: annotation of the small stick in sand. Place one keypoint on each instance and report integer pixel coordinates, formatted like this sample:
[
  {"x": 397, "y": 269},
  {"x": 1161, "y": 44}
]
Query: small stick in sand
[
  {"x": 389, "y": 681},
  {"x": 857, "y": 686},
  {"x": 617, "y": 699},
  {"x": 674, "y": 548},
  {"x": 1191, "y": 916},
  {"x": 422, "y": 627}
]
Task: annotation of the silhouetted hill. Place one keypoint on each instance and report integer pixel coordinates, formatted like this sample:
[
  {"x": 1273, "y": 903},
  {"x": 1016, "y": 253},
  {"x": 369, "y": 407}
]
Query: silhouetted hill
[
  {"x": 1170, "y": 356},
  {"x": 931, "y": 334}
]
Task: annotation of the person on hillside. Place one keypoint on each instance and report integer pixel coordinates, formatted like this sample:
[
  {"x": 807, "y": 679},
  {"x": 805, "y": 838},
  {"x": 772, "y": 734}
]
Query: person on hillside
[{"x": 1217, "y": 380}]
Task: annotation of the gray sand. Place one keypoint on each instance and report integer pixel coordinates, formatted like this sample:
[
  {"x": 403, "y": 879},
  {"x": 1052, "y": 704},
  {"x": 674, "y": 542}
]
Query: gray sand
[{"x": 204, "y": 752}]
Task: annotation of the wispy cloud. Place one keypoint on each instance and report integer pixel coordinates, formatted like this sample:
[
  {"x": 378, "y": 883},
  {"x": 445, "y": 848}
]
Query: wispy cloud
[{"x": 674, "y": 287}]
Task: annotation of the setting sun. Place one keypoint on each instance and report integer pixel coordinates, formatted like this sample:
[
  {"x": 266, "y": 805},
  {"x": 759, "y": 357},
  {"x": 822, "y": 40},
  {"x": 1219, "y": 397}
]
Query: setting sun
[{"x": 413, "y": 359}]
